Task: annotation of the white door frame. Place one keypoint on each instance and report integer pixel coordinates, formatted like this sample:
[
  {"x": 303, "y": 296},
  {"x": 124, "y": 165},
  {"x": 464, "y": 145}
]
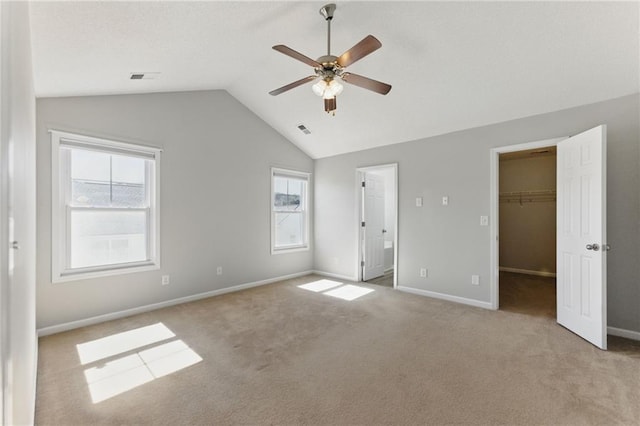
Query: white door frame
[
  {"x": 494, "y": 206},
  {"x": 359, "y": 176}
]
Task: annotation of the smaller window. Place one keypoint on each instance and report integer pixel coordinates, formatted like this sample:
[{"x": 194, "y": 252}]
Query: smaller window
[{"x": 289, "y": 211}]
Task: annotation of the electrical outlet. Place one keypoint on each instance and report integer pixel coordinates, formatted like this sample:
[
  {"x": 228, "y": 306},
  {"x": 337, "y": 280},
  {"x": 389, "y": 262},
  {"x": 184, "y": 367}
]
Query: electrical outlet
[
  {"x": 445, "y": 201},
  {"x": 219, "y": 270},
  {"x": 165, "y": 279},
  {"x": 475, "y": 279},
  {"x": 423, "y": 272},
  {"x": 418, "y": 201}
]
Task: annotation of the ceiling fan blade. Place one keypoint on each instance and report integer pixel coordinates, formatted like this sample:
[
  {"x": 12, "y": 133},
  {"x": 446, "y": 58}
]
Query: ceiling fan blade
[
  {"x": 366, "y": 83},
  {"x": 366, "y": 46},
  {"x": 292, "y": 85},
  {"x": 296, "y": 55}
]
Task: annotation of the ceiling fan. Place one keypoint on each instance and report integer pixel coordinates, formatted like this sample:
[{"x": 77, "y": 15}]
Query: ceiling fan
[{"x": 329, "y": 68}]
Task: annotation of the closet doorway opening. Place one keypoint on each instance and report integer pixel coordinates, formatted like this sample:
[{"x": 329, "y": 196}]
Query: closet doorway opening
[
  {"x": 377, "y": 189},
  {"x": 527, "y": 231}
]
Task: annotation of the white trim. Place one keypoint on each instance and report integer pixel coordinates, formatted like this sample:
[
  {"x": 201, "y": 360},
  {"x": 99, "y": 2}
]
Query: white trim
[
  {"x": 85, "y": 140},
  {"x": 34, "y": 385},
  {"x": 45, "y": 331},
  {"x": 447, "y": 297},
  {"x": 360, "y": 171},
  {"x": 336, "y": 276},
  {"x": 621, "y": 332},
  {"x": 527, "y": 272},
  {"x": 107, "y": 271},
  {"x": 494, "y": 183}
]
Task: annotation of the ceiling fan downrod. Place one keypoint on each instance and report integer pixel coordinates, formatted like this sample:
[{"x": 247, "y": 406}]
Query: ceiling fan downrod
[{"x": 327, "y": 11}]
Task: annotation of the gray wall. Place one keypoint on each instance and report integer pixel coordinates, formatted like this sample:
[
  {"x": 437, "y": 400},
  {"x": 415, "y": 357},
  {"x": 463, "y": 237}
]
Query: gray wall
[
  {"x": 528, "y": 230},
  {"x": 448, "y": 240},
  {"x": 215, "y": 197},
  {"x": 17, "y": 217}
]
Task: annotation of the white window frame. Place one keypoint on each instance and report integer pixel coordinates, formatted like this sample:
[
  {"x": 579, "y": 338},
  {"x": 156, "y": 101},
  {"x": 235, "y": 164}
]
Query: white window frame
[
  {"x": 60, "y": 210},
  {"x": 275, "y": 171}
]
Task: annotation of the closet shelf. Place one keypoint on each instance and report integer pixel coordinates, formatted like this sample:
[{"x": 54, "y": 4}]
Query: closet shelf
[{"x": 521, "y": 197}]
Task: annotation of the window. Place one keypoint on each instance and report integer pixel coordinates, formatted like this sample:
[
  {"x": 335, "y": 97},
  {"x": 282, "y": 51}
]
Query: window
[
  {"x": 104, "y": 215},
  {"x": 289, "y": 211}
]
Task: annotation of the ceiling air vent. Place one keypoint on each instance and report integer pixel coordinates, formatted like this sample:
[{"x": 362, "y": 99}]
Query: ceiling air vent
[
  {"x": 304, "y": 130},
  {"x": 144, "y": 75}
]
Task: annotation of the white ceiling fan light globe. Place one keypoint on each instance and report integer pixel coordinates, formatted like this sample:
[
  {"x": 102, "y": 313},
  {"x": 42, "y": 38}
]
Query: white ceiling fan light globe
[
  {"x": 319, "y": 88},
  {"x": 335, "y": 87}
]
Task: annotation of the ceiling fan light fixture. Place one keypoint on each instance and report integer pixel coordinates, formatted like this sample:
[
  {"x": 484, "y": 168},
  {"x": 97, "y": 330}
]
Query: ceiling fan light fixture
[{"x": 327, "y": 89}]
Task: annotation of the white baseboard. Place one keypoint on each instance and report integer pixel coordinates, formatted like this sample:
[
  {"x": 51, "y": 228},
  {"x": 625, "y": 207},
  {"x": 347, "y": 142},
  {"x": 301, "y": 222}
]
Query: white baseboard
[
  {"x": 388, "y": 269},
  {"x": 336, "y": 276},
  {"x": 527, "y": 272},
  {"x": 45, "y": 331},
  {"x": 448, "y": 297},
  {"x": 621, "y": 332}
]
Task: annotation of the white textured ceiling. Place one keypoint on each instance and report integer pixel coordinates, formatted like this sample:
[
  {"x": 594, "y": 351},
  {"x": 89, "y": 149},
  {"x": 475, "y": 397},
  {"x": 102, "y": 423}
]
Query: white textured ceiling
[{"x": 453, "y": 65}]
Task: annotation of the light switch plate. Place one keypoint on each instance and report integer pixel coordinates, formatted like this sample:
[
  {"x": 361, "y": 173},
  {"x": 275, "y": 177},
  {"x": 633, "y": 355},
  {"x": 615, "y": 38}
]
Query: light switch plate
[
  {"x": 484, "y": 220},
  {"x": 475, "y": 279},
  {"x": 418, "y": 201},
  {"x": 445, "y": 201}
]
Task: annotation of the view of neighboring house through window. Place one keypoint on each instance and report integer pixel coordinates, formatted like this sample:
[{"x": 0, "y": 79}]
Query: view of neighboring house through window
[
  {"x": 107, "y": 216},
  {"x": 289, "y": 211}
]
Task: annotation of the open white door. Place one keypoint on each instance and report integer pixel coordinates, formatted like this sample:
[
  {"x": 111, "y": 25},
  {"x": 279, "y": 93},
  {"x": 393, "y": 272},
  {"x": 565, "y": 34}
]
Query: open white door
[
  {"x": 581, "y": 236},
  {"x": 373, "y": 218}
]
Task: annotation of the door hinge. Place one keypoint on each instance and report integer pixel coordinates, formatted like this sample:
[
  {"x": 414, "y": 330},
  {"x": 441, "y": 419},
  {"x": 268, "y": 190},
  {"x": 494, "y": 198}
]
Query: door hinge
[
  {"x": 363, "y": 224},
  {"x": 363, "y": 184},
  {"x": 362, "y": 263}
]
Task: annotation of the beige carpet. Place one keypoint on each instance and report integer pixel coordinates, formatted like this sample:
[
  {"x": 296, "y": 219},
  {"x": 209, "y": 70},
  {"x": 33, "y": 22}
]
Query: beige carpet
[
  {"x": 279, "y": 354},
  {"x": 528, "y": 294}
]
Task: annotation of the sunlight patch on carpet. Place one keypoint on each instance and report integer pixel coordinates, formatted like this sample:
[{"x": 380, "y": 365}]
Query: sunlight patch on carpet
[
  {"x": 107, "y": 379},
  {"x": 320, "y": 285},
  {"x": 337, "y": 289},
  {"x": 349, "y": 292},
  {"x": 116, "y": 344}
]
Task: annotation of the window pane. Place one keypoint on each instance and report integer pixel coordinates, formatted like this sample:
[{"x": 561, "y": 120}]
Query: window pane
[
  {"x": 106, "y": 238},
  {"x": 289, "y": 229},
  {"x": 90, "y": 178},
  {"x": 128, "y": 179},
  {"x": 288, "y": 194},
  {"x": 104, "y": 180}
]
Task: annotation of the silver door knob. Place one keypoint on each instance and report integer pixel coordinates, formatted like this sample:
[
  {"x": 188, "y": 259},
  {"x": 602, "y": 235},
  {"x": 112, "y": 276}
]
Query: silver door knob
[
  {"x": 606, "y": 247},
  {"x": 594, "y": 247}
]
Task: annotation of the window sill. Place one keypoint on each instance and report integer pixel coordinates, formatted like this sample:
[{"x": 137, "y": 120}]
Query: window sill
[
  {"x": 289, "y": 250},
  {"x": 116, "y": 270}
]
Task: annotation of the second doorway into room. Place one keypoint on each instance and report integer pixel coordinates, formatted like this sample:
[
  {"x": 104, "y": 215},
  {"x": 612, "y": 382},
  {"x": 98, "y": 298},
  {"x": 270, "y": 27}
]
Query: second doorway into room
[{"x": 377, "y": 255}]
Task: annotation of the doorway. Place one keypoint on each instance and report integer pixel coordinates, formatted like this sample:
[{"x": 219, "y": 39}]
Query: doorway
[
  {"x": 527, "y": 231},
  {"x": 581, "y": 237},
  {"x": 377, "y": 223}
]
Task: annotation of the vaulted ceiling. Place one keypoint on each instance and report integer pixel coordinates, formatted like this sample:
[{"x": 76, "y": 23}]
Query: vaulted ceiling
[{"x": 453, "y": 65}]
